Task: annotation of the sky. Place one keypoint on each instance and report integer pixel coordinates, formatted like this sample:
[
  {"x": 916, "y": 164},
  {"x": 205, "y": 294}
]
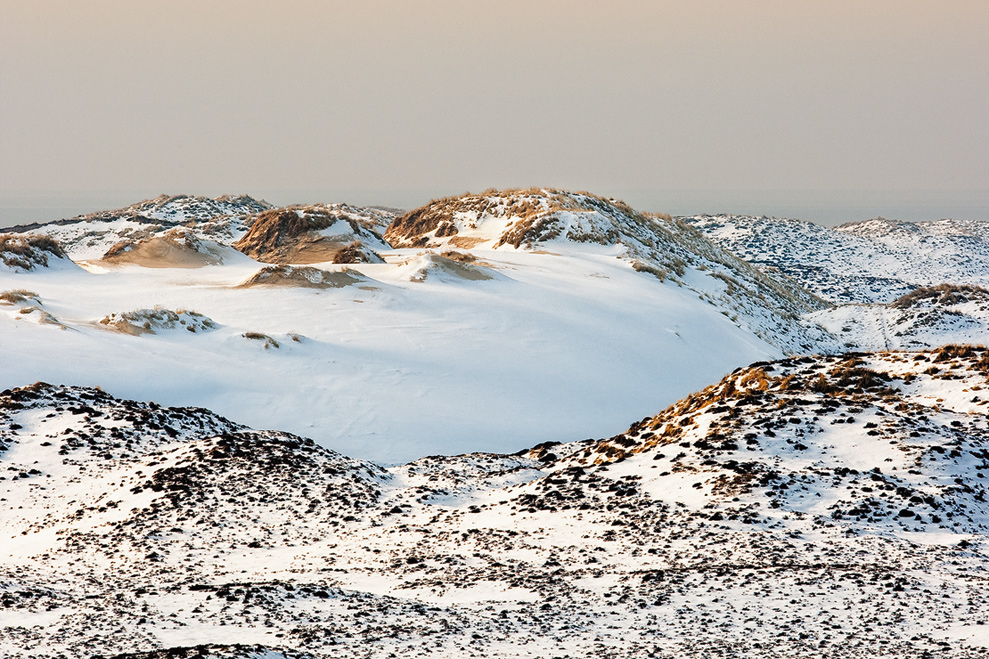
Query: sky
[{"x": 666, "y": 103}]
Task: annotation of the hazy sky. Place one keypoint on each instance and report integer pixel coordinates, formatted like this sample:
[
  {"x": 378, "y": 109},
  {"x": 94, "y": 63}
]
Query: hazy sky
[{"x": 434, "y": 96}]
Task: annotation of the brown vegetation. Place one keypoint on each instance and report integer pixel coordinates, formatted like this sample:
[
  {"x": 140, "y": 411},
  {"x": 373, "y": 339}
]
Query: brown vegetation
[
  {"x": 146, "y": 321},
  {"x": 290, "y": 235},
  {"x": 27, "y": 251},
  {"x": 942, "y": 294},
  {"x": 258, "y": 336},
  {"x": 532, "y": 212},
  {"x": 459, "y": 256},
  {"x": 18, "y": 296}
]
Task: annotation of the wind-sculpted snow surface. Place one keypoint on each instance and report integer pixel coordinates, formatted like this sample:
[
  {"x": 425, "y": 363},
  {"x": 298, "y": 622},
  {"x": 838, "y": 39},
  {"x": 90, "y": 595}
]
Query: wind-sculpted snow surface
[
  {"x": 811, "y": 507},
  {"x": 873, "y": 261}
]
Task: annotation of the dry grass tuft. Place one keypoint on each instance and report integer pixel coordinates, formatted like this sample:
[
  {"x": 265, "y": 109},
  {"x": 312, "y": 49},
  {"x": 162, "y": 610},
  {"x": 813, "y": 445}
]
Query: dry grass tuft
[
  {"x": 146, "y": 321},
  {"x": 459, "y": 256},
  {"x": 27, "y": 251},
  {"x": 258, "y": 336},
  {"x": 942, "y": 294},
  {"x": 18, "y": 296},
  {"x": 303, "y": 277}
]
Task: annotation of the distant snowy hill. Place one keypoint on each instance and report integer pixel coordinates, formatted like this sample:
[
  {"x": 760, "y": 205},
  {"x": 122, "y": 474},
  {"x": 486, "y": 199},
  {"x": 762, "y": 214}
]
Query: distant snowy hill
[
  {"x": 874, "y": 261},
  {"x": 809, "y": 507},
  {"x": 90, "y": 236},
  {"x": 155, "y": 230},
  {"x": 925, "y": 317}
]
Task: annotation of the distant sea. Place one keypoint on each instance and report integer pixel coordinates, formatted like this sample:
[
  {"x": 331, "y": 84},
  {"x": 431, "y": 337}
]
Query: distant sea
[{"x": 827, "y": 207}]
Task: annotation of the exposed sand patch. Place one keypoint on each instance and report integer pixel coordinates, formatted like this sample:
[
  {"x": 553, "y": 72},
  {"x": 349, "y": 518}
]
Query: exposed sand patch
[
  {"x": 318, "y": 249},
  {"x": 304, "y": 277},
  {"x": 464, "y": 242},
  {"x": 175, "y": 249}
]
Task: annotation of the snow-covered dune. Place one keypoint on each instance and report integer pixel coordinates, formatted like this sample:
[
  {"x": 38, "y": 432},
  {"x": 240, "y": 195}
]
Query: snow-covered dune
[{"x": 223, "y": 220}]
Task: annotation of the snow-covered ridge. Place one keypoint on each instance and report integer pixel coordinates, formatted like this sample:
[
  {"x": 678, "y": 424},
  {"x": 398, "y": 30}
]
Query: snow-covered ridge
[
  {"x": 896, "y": 231},
  {"x": 166, "y": 209},
  {"x": 818, "y": 506},
  {"x": 554, "y": 220},
  {"x": 224, "y": 222},
  {"x": 223, "y": 219}
]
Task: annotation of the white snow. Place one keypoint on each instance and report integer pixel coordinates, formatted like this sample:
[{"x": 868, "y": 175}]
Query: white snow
[{"x": 553, "y": 347}]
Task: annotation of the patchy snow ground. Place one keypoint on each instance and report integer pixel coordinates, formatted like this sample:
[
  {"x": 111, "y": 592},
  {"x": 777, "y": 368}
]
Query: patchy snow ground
[
  {"x": 864, "y": 262},
  {"x": 811, "y": 507}
]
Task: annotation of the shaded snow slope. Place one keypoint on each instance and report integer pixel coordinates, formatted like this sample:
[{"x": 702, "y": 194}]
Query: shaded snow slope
[
  {"x": 873, "y": 261},
  {"x": 811, "y": 507}
]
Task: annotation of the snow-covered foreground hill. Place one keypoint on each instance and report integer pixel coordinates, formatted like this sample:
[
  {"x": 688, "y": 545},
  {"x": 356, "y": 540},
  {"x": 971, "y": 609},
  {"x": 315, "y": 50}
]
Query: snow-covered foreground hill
[
  {"x": 435, "y": 349},
  {"x": 812, "y": 507}
]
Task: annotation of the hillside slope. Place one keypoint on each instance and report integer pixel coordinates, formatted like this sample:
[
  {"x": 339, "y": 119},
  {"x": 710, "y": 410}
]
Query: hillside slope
[
  {"x": 811, "y": 507},
  {"x": 865, "y": 262},
  {"x": 927, "y": 316},
  {"x": 542, "y": 220}
]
